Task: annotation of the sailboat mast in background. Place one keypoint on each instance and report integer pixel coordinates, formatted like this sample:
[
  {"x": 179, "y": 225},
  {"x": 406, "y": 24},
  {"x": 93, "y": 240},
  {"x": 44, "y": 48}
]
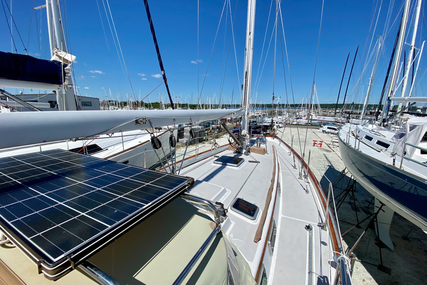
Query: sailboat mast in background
[{"x": 248, "y": 70}]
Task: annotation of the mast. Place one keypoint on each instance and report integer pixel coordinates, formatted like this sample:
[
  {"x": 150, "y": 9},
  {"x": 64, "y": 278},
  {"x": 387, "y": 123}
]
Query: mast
[
  {"x": 411, "y": 53},
  {"x": 342, "y": 79},
  {"x": 387, "y": 76},
  {"x": 66, "y": 101},
  {"x": 374, "y": 70},
  {"x": 400, "y": 41},
  {"x": 349, "y": 77},
  {"x": 248, "y": 69}
]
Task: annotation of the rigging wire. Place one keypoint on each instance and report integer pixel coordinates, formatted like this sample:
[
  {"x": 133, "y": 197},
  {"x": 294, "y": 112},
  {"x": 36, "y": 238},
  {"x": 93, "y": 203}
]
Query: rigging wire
[
  {"x": 258, "y": 78},
  {"x": 9, "y": 28},
  {"x": 223, "y": 70},
  {"x": 262, "y": 49},
  {"x": 228, "y": 51},
  {"x": 386, "y": 31},
  {"x": 198, "y": 60},
  {"x": 38, "y": 34},
  {"x": 148, "y": 94},
  {"x": 235, "y": 51},
  {"x": 118, "y": 42},
  {"x": 108, "y": 46},
  {"x": 31, "y": 21},
  {"x": 213, "y": 46},
  {"x": 14, "y": 24},
  {"x": 69, "y": 49},
  {"x": 289, "y": 69},
  {"x": 314, "y": 78},
  {"x": 275, "y": 48},
  {"x": 284, "y": 73}
]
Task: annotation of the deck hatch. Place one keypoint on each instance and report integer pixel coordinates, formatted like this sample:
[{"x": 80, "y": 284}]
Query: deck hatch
[
  {"x": 245, "y": 208},
  {"x": 229, "y": 161},
  {"x": 60, "y": 206}
]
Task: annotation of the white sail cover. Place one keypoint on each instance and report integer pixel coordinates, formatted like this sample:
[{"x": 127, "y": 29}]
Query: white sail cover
[
  {"x": 25, "y": 128},
  {"x": 417, "y": 129}
]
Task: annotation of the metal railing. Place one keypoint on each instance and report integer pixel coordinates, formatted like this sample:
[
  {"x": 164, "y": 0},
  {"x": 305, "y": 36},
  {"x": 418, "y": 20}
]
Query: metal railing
[
  {"x": 410, "y": 158},
  {"x": 344, "y": 267}
]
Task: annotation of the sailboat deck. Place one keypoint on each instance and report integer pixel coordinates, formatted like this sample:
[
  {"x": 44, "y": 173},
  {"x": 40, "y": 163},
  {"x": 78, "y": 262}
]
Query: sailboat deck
[{"x": 294, "y": 209}]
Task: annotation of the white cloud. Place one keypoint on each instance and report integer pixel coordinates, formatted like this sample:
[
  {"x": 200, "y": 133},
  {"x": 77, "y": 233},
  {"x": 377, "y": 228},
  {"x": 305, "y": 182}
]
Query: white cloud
[
  {"x": 156, "y": 75},
  {"x": 96, "y": 71},
  {"x": 141, "y": 74},
  {"x": 86, "y": 88},
  {"x": 143, "y": 78},
  {"x": 195, "y": 61},
  {"x": 93, "y": 76}
]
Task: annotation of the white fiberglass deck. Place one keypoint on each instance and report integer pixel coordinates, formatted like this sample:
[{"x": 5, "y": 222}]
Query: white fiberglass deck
[{"x": 294, "y": 209}]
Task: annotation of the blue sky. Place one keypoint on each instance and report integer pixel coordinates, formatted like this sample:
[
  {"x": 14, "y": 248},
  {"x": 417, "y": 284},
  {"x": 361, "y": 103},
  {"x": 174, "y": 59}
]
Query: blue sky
[{"x": 99, "y": 70}]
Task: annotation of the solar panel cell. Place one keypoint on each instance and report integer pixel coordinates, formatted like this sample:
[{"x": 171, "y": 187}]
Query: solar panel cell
[
  {"x": 62, "y": 239},
  {"x": 37, "y": 222},
  {"x": 24, "y": 228}
]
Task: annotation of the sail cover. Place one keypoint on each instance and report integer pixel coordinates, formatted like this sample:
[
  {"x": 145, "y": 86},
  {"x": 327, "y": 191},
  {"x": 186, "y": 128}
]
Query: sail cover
[{"x": 27, "y": 68}]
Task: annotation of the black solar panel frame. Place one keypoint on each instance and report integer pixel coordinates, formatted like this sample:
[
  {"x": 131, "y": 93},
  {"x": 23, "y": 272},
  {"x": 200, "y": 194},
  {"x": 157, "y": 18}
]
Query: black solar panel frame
[{"x": 55, "y": 270}]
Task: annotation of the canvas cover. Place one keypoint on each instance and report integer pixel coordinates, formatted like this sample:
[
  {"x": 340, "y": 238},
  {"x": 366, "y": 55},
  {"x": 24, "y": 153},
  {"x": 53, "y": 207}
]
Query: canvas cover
[
  {"x": 27, "y": 68},
  {"x": 411, "y": 132}
]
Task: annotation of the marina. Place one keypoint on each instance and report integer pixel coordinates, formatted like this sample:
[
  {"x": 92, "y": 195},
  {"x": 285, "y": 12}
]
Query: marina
[{"x": 105, "y": 191}]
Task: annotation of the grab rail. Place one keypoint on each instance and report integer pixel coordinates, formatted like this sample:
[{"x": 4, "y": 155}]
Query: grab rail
[
  {"x": 205, "y": 245},
  {"x": 97, "y": 274}
]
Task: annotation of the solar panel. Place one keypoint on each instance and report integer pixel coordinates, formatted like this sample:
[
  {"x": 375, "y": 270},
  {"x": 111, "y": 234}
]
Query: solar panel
[{"x": 60, "y": 207}]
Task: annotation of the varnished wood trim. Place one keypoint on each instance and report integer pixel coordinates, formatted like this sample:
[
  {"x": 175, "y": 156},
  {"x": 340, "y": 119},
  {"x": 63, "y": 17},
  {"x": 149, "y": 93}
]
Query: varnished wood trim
[
  {"x": 332, "y": 225},
  {"x": 269, "y": 226}
]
